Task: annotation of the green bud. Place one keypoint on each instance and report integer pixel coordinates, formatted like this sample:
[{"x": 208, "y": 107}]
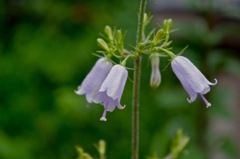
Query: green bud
[
  {"x": 145, "y": 19},
  {"x": 158, "y": 36},
  {"x": 119, "y": 36},
  {"x": 102, "y": 147},
  {"x": 80, "y": 151},
  {"x": 108, "y": 31},
  {"x": 167, "y": 24},
  {"x": 155, "y": 79},
  {"x": 82, "y": 154},
  {"x": 103, "y": 44},
  {"x": 86, "y": 156},
  {"x": 170, "y": 24}
]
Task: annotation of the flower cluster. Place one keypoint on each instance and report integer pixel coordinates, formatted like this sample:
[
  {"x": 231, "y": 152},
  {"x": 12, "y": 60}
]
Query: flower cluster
[
  {"x": 104, "y": 84},
  {"x": 193, "y": 81}
]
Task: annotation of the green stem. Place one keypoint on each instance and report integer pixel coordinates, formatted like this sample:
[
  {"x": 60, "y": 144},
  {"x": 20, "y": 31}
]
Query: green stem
[
  {"x": 135, "y": 108},
  {"x": 136, "y": 83},
  {"x": 140, "y": 31}
]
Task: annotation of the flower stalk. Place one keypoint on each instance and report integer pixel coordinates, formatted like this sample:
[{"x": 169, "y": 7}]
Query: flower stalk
[{"x": 136, "y": 83}]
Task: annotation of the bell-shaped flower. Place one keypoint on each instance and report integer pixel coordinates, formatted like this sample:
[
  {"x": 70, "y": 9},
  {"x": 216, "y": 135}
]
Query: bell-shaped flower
[
  {"x": 111, "y": 90},
  {"x": 155, "y": 79},
  {"x": 193, "y": 81},
  {"x": 93, "y": 81}
]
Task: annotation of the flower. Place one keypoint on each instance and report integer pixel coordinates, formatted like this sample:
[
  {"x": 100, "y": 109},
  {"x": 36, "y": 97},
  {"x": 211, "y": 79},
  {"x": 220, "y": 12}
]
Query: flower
[
  {"x": 193, "y": 81},
  {"x": 111, "y": 90},
  {"x": 93, "y": 81},
  {"x": 155, "y": 79}
]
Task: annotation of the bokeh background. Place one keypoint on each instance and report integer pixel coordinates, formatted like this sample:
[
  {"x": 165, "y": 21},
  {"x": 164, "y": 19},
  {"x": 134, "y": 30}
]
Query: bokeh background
[{"x": 46, "y": 51}]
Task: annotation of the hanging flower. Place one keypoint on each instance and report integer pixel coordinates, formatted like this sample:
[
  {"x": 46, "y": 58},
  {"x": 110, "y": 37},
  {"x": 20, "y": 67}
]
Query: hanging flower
[
  {"x": 93, "y": 81},
  {"x": 155, "y": 79},
  {"x": 111, "y": 90},
  {"x": 193, "y": 81}
]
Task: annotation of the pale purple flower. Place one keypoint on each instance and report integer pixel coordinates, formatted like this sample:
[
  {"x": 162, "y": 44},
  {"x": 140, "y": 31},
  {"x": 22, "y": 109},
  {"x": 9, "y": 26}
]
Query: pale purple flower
[
  {"x": 93, "y": 81},
  {"x": 111, "y": 90},
  {"x": 193, "y": 81},
  {"x": 155, "y": 79}
]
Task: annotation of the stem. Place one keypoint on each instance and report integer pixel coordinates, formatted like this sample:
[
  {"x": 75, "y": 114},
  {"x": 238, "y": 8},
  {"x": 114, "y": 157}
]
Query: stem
[
  {"x": 135, "y": 108},
  {"x": 140, "y": 31},
  {"x": 136, "y": 83}
]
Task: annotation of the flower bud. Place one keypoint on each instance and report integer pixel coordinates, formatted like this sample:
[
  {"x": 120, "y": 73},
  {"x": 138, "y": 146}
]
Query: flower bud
[
  {"x": 145, "y": 18},
  {"x": 158, "y": 36},
  {"x": 82, "y": 154},
  {"x": 155, "y": 75},
  {"x": 102, "y": 148},
  {"x": 108, "y": 31},
  {"x": 167, "y": 24},
  {"x": 170, "y": 24},
  {"x": 103, "y": 44},
  {"x": 86, "y": 156},
  {"x": 119, "y": 41},
  {"x": 119, "y": 36}
]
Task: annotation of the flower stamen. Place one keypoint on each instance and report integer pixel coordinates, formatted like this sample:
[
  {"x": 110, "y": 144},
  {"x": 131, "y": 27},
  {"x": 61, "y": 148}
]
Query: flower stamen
[
  {"x": 103, "y": 118},
  {"x": 205, "y": 101}
]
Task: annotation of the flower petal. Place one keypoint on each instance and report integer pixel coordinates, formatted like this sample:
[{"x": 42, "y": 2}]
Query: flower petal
[
  {"x": 111, "y": 105},
  {"x": 115, "y": 82},
  {"x": 100, "y": 97},
  {"x": 111, "y": 90},
  {"x": 184, "y": 82},
  {"x": 212, "y": 84},
  {"x": 120, "y": 106},
  {"x": 92, "y": 83},
  {"x": 192, "y": 75}
]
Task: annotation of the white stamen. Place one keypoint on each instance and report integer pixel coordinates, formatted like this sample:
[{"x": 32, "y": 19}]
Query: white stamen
[
  {"x": 103, "y": 119},
  {"x": 205, "y": 101}
]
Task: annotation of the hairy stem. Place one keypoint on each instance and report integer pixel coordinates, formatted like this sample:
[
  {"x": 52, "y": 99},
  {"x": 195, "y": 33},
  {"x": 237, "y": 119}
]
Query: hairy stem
[
  {"x": 135, "y": 109},
  {"x": 140, "y": 31},
  {"x": 136, "y": 84}
]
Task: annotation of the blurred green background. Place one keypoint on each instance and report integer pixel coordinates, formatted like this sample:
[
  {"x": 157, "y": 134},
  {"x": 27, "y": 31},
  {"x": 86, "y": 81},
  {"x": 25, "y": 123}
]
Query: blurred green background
[{"x": 46, "y": 51}]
